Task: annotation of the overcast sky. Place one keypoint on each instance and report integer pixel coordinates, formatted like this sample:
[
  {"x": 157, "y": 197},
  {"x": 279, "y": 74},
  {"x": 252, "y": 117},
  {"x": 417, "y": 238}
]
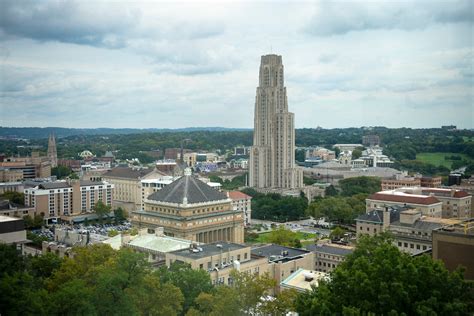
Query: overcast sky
[{"x": 169, "y": 65}]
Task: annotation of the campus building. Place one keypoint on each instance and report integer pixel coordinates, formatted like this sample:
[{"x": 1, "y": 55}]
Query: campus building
[
  {"x": 328, "y": 256},
  {"x": 189, "y": 208},
  {"x": 127, "y": 182},
  {"x": 428, "y": 205},
  {"x": 272, "y": 156},
  {"x": 242, "y": 202},
  {"x": 454, "y": 245}
]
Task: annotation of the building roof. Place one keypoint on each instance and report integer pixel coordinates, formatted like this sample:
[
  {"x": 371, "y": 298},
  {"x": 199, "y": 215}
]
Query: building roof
[
  {"x": 88, "y": 183},
  {"x": 279, "y": 253},
  {"x": 404, "y": 198},
  {"x": 302, "y": 280},
  {"x": 331, "y": 249},
  {"x": 207, "y": 250},
  {"x": 160, "y": 243},
  {"x": 376, "y": 216},
  {"x": 126, "y": 172},
  {"x": 237, "y": 195},
  {"x": 187, "y": 189},
  {"x": 445, "y": 192},
  {"x": 54, "y": 185},
  {"x": 151, "y": 242},
  {"x": 419, "y": 225}
]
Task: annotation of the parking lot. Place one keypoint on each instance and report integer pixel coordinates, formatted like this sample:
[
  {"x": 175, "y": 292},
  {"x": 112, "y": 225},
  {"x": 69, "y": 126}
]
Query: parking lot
[{"x": 99, "y": 229}]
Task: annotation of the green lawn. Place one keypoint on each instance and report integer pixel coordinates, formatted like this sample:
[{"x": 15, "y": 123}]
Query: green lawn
[
  {"x": 438, "y": 159},
  {"x": 262, "y": 238}
]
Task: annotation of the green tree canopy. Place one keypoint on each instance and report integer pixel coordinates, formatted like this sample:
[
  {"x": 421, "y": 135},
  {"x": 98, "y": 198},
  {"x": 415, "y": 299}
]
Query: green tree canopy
[
  {"x": 357, "y": 185},
  {"x": 378, "y": 279},
  {"x": 284, "y": 237}
]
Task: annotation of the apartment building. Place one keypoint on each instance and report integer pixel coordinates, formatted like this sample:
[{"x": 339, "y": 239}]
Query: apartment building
[{"x": 70, "y": 201}]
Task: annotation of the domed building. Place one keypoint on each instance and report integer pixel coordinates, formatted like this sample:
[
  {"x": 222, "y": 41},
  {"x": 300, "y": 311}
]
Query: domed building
[
  {"x": 188, "y": 208},
  {"x": 86, "y": 154}
]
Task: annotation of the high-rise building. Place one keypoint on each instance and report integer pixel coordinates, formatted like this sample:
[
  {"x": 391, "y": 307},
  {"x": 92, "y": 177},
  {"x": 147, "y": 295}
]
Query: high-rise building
[
  {"x": 272, "y": 157},
  {"x": 52, "y": 152}
]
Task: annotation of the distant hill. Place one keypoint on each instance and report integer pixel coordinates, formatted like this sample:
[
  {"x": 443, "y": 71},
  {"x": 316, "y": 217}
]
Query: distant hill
[{"x": 44, "y": 132}]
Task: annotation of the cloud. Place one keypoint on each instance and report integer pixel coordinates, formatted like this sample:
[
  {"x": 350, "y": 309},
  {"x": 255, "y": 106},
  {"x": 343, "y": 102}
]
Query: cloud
[
  {"x": 88, "y": 23},
  {"x": 341, "y": 17}
]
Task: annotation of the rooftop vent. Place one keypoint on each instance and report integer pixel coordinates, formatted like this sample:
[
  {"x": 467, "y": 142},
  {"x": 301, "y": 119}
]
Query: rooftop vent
[{"x": 308, "y": 277}]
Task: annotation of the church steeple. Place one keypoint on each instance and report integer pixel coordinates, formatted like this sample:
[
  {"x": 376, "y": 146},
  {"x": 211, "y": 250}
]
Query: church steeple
[{"x": 52, "y": 152}]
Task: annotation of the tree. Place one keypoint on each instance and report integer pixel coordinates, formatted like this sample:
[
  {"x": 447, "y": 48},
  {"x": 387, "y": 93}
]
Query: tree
[
  {"x": 330, "y": 191},
  {"x": 101, "y": 210},
  {"x": 379, "y": 279},
  {"x": 357, "y": 185},
  {"x": 119, "y": 214},
  {"x": 337, "y": 233},
  {"x": 14, "y": 197},
  {"x": 246, "y": 295},
  {"x": 284, "y": 237},
  {"x": 155, "y": 298},
  {"x": 61, "y": 172},
  {"x": 35, "y": 222},
  {"x": 357, "y": 153},
  {"x": 190, "y": 282},
  {"x": 337, "y": 208}
]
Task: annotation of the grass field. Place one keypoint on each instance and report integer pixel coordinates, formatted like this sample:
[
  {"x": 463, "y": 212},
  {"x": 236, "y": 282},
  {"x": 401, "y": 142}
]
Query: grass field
[
  {"x": 438, "y": 159},
  {"x": 262, "y": 238}
]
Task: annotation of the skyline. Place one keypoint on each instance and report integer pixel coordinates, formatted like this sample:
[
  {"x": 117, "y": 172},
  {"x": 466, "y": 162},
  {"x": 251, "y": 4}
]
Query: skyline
[{"x": 164, "y": 65}]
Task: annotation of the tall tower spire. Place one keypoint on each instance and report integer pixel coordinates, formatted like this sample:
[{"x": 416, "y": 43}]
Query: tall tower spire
[
  {"x": 52, "y": 152},
  {"x": 272, "y": 157}
]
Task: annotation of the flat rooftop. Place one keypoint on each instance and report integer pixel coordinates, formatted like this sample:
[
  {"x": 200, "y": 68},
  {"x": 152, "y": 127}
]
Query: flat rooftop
[
  {"x": 4, "y": 219},
  {"x": 302, "y": 280},
  {"x": 159, "y": 243},
  {"x": 332, "y": 249},
  {"x": 207, "y": 250},
  {"x": 465, "y": 228},
  {"x": 279, "y": 253}
]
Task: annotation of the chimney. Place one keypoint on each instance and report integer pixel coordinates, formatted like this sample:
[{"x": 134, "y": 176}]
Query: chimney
[{"x": 386, "y": 218}]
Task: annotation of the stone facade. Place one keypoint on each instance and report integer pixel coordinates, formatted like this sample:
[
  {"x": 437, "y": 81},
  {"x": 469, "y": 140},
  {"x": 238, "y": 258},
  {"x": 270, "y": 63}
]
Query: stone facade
[
  {"x": 272, "y": 156},
  {"x": 190, "y": 209}
]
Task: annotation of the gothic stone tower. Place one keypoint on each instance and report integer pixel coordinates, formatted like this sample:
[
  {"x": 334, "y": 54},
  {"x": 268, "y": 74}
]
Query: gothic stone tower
[
  {"x": 272, "y": 157},
  {"x": 52, "y": 152}
]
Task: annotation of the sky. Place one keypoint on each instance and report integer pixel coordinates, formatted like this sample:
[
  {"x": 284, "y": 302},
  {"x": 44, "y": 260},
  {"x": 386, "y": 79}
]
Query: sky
[{"x": 155, "y": 64}]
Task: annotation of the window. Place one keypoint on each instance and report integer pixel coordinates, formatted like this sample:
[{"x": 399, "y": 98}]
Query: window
[
  {"x": 399, "y": 244},
  {"x": 201, "y": 266},
  {"x": 245, "y": 255},
  {"x": 405, "y": 245},
  {"x": 412, "y": 246}
]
